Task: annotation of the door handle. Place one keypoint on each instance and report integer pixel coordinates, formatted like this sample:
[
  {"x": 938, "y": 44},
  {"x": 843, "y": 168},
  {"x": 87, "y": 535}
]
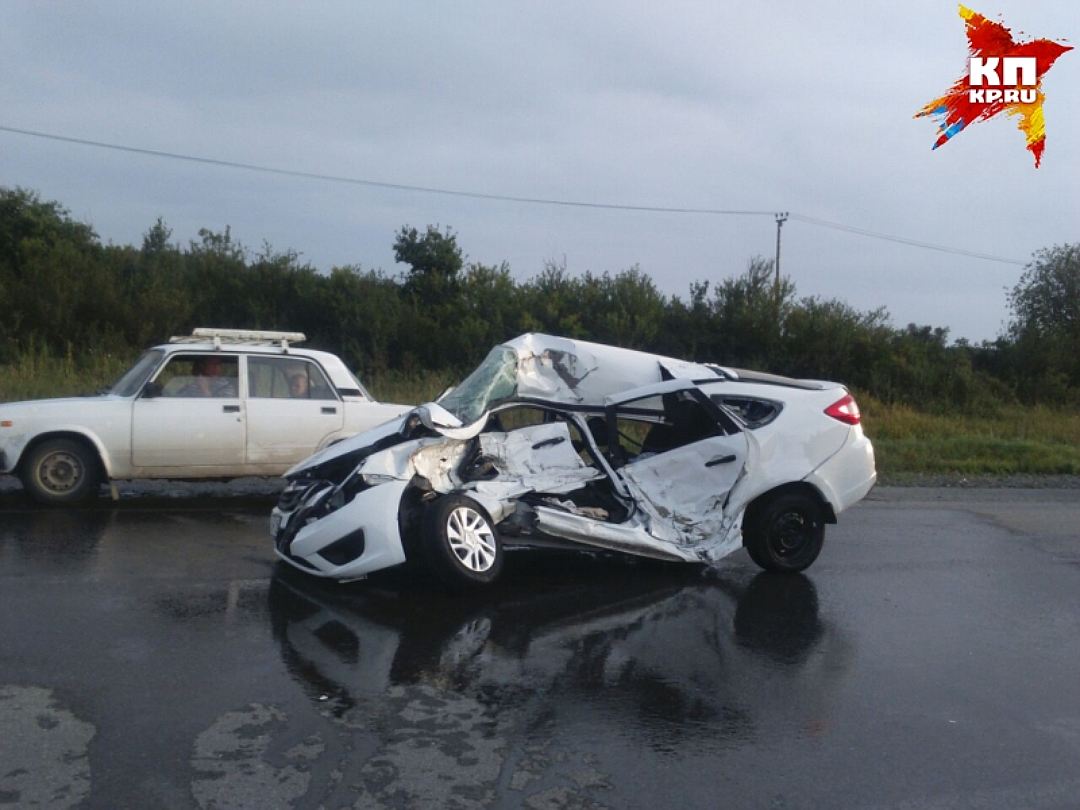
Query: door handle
[
  {"x": 329, "y": 410},
  {"x": 231, "y": 408},
  {"x": 720, "y": 460},
  {"x": 554, "y": 440}
]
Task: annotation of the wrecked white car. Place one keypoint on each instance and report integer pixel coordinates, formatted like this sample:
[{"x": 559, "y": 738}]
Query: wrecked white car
[{"x": 553, "y": 442}]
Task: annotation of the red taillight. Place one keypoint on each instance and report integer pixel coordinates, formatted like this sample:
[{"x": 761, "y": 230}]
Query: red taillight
[{"x": 846, "y": 410}]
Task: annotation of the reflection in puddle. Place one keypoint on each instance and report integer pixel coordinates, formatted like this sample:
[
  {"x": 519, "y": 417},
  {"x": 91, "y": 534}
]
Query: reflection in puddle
[
  {"x": 63, "y": 539},
  {"x": 541, "y": 691},
  {"x": 664, "y": 654}
]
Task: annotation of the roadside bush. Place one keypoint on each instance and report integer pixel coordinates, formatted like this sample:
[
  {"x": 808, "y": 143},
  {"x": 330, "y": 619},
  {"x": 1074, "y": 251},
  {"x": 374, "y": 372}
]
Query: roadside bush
[{"x": 67, "y": 302}]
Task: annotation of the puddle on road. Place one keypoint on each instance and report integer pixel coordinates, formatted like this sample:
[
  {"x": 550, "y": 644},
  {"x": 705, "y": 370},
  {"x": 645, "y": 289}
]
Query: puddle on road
[{"x": 534, "y": 692}]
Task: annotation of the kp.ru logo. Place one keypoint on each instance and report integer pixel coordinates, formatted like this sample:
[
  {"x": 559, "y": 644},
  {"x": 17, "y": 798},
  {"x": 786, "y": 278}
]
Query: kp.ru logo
[
  {"x": 1017, "y": 73},
  {"x": 1003, "y": 76}
]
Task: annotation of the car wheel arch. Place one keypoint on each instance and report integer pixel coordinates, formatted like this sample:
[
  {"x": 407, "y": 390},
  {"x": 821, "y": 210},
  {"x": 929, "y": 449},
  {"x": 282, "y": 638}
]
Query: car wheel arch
[
  {"x": 794, "y": 487},
  {"x": 411, "y": 510},
  {"x": 86, "y": 439}
]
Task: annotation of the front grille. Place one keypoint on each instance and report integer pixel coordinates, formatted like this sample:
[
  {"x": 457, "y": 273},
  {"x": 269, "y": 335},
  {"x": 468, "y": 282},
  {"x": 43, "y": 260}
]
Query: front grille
[{"x": 294, "y": 494}]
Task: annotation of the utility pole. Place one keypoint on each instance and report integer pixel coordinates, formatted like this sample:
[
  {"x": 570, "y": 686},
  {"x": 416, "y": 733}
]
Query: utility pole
[{"x": 781, "y": 218}]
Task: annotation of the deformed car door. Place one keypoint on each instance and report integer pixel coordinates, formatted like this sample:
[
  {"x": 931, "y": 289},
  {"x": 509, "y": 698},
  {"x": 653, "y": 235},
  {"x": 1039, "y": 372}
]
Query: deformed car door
[
  {"x": 686, "y": 487},
  {"x": 681, "y": 470}
]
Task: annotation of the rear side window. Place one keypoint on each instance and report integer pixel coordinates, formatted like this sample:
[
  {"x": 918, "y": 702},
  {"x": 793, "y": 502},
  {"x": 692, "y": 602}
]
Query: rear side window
[
  {"x": 286, "y": 378},
  {"x": 753, "y": 411},
  {"x": 658, "y": 424}
]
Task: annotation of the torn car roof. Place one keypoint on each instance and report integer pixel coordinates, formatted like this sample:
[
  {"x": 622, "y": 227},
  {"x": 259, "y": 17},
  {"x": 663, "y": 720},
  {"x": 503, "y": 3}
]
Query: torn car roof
[{"x": 576, "y": 371}]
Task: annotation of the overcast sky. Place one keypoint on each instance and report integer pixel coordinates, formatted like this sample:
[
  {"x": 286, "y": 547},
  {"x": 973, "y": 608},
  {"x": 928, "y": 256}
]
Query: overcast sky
[{"x": 775, "y": 106}]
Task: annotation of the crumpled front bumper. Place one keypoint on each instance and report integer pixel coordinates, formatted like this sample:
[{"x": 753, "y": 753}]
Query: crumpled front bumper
[{"x": 318, "y": 546}]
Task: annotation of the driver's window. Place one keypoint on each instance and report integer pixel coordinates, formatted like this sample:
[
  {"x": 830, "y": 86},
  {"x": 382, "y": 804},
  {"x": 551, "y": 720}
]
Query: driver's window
[{"x": 200, "y": 375}]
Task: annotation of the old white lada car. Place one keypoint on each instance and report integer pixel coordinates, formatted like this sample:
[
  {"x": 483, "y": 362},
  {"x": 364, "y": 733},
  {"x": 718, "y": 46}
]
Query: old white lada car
[
  {"x": 558, "y": 442},
  {"x": 218, "y": 403}
]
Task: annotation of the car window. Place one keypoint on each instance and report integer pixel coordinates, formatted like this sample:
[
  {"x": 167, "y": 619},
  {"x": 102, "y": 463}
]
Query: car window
[
  {"x": 655, "y": 425},
  {"x": 518, "y": 417},
  {"x": 286, "y": 378},
  {"x": 135, "y": 376},
  {"x": 752, "y": 410},
  {"x": 200, "y": 375}
]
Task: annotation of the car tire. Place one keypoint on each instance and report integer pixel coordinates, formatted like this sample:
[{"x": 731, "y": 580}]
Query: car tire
[
  {"x": 786, "y": 533},
  {"x": 461, "y": 546},
  {"x": 61, "y": 471}
]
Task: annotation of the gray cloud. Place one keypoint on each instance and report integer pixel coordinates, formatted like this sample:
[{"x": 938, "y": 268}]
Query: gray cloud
[{"x": 772, "y": 106}]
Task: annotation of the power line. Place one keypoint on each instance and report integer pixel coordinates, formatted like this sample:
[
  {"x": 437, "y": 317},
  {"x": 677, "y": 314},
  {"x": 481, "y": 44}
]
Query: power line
[
  {"x": 359, "y": 181},
  {"x": 479, "y": 195},
  {"x": 839, "y": 226}
]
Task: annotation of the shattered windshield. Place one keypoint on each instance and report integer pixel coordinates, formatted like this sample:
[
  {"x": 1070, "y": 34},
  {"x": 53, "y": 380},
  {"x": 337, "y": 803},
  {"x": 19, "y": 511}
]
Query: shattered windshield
[{"x": 493, "y": 381}]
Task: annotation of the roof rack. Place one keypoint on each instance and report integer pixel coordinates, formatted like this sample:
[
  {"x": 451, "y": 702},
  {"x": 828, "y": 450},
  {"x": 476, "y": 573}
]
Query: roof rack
[{"x": 245, "y": 337}]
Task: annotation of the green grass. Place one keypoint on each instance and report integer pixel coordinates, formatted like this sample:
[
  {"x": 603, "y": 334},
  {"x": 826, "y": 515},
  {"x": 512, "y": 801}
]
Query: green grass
[
  {"x": 1017, "y": 439},
  {"x": 37, "y": 375},
  {"x": 409, "y": 389}
]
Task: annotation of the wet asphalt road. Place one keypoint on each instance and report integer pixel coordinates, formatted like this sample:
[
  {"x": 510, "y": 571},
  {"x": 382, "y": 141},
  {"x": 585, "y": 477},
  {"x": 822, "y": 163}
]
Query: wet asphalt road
[{"x": 153, "y": 655}]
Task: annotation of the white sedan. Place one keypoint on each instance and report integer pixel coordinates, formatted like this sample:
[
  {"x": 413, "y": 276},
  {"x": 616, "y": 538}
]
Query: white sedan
[
  {"x": 219, "y": 403},
  {"x": 562, "y": 443}
]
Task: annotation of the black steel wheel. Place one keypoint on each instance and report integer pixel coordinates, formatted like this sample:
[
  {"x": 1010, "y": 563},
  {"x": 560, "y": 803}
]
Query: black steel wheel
[{"x": 786, "y": 533}]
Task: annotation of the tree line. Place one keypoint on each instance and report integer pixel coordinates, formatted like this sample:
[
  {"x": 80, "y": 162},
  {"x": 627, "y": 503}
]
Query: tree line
[{"x": 64, "y": 292}]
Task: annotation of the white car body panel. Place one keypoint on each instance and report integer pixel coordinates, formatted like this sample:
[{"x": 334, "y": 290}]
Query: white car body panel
[
  {"x": 847, "y": 476},
  {"x": 103, "y": 421},
  {"x": 282, "y": 431},
  {"x": 538, "y": 458},
  {"x": 349, "y": 444},
  {"x": 187, "y": 433},
  {"x": 375, "y": 512}
]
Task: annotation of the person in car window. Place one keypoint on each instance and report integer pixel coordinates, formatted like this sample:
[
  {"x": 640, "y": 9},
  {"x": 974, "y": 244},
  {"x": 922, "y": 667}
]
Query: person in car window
[
  {"x": 209, "y": 380},
  {"x": 298, "y": 384}
]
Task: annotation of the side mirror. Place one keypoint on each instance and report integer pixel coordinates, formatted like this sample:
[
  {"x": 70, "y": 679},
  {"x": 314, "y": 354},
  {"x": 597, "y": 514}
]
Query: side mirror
[{"x": 151, "y": 390}]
